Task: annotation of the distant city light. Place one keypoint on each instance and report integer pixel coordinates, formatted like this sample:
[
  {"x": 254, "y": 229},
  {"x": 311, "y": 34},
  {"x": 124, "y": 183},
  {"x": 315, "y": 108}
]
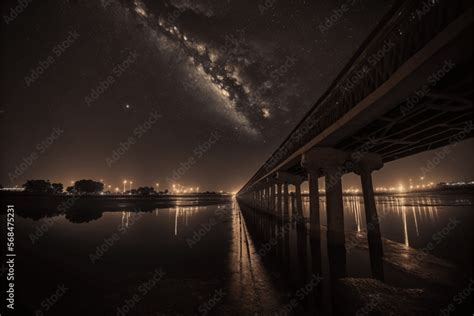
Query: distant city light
[{"x": 401, "y": 188}]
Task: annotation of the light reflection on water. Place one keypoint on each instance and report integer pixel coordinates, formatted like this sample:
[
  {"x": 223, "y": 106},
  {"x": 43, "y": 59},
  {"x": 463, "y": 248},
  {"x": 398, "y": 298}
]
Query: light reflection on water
[
  {"x": 408, "y": 219},
  {"x": 224, "y": 257}
]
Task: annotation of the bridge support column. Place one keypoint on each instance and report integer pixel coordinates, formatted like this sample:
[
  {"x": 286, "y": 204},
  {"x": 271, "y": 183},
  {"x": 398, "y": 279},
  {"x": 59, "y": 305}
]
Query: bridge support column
[
  {"x": 313, "y": 167},
  {"x": 315, "y": 228},
  {"x": 364, "y": 168},
  {"x": 330, "y": 161},
  {"x": 272, "y": 197},
  {"x": 286, "y": 201},
  {"x": 334, "y": 205},
  {"x": 295, "y": 180},
  {"x": 299, "y": 201},
  {"x": 266, "y": 199},
  {"x": 278, "y": 196}
]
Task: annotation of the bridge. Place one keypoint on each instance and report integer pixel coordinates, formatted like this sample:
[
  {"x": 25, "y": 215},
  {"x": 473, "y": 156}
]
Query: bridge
[{"x": 406, "y": 90}]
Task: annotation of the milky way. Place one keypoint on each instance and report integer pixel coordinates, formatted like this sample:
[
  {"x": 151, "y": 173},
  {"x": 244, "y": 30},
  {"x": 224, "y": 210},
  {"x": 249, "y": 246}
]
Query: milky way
[{"x": 218, "y": 72}]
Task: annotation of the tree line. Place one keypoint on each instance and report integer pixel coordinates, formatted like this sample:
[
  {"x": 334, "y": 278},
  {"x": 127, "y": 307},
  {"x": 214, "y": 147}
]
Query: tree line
[{"x": 79, "y": 187}]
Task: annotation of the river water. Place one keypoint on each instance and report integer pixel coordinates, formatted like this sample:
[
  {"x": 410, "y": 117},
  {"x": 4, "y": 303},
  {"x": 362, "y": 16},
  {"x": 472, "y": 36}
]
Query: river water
[{"x": 221, "y": 259}]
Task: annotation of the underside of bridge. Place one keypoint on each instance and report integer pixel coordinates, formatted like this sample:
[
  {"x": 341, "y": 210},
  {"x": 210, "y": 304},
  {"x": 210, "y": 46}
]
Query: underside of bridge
[
  {"x": 408, "y": 89},
  {"x": 425, "y": 120}
]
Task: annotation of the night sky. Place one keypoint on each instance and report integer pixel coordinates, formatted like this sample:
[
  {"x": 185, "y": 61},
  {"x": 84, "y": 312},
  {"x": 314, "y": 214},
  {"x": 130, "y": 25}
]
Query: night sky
[{"x": 208, "y": 86}]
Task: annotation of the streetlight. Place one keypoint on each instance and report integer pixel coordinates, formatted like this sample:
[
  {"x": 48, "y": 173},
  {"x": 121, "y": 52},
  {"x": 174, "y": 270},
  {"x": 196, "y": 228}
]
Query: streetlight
[
  {"x": 131, "y": 182},
  {"x": 124, "y": 183}
]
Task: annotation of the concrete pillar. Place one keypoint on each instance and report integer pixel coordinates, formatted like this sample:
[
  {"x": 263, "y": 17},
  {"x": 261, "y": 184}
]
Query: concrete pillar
[
  {"x": 334, "y": 205},
  {"x": 315, "y": 221},
  {"x": 299, "y": 201},
  {"x": 364, "y": 167},
  {"x": 331, "y": 162},
  {"x": 286, "y": 201},
  {"x": 265, "y": 197},
  {"x": 278, "y": 196},
  {"x": 296, "y": 181},
  {"x": 272, "y": 197},
  {"x": 293, "y": 204},
  {"x": 310, "y": 162}
]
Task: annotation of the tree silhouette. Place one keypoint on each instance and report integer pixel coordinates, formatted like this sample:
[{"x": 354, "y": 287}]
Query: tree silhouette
[
  {"x": 70, "y": 189},
  {"x": 38, "y": 186},
  {"x": 88, "y": 186},
  {"x": 145, "y": 190},
  {"x": 57, "y": 188}
]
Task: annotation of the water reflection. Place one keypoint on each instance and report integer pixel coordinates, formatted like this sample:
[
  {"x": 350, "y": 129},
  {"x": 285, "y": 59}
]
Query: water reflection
[
  {"x": 264, "y": 264},
  {"x": 125, "y": 218},
  {"x": 250, "y": 281},
  {"x": 408, "y": 219}
]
